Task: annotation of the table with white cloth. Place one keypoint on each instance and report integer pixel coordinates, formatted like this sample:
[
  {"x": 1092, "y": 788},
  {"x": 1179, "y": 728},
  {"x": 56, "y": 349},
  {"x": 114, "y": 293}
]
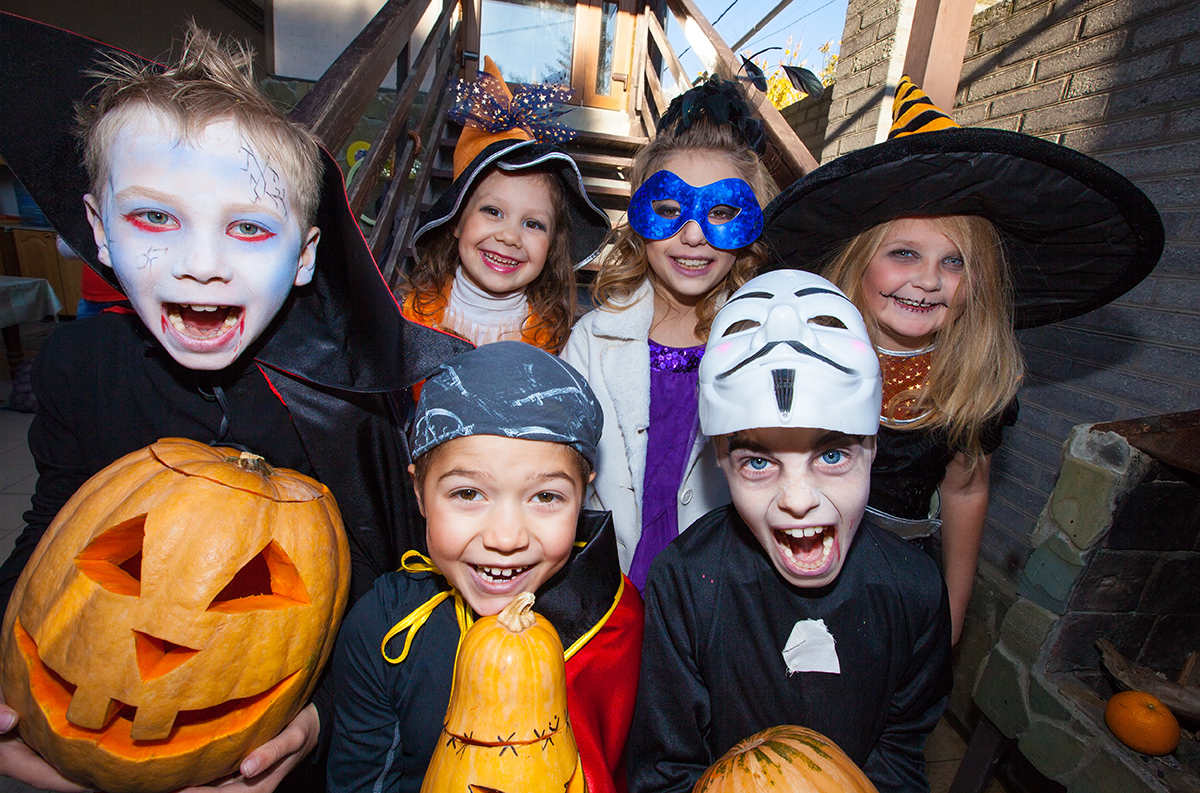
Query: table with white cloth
[{"x": 23, "y": 300}]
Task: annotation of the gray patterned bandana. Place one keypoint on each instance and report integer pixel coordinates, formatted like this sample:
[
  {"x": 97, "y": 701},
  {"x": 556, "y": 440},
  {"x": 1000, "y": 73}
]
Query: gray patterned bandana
[{"x": 510, "y": 389}]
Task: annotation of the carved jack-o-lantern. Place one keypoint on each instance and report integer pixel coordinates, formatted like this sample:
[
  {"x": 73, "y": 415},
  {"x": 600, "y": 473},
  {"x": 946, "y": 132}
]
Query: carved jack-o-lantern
[
  {"x": 174, "y": 616},
  {"x": 506, "y": 728}
]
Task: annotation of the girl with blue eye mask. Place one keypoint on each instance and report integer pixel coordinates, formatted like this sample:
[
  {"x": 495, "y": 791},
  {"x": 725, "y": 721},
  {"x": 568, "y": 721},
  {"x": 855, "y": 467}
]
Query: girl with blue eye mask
[{"x": 689, "y": 241}]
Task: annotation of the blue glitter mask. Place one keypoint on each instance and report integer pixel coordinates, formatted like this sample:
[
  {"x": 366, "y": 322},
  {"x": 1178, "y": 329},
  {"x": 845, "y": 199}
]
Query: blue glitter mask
[{"x": 698, "y": 204}]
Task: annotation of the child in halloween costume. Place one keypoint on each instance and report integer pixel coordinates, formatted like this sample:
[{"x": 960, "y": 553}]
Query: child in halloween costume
[
  {"x": 504, "y": 440},
  {"x": 496, "y": 254},
  {"x": 934, "y": 236},
  {"x": 689, "y": 242},
  {"x": 784, "y": 608},
  {"x": 206, "y": 206}
]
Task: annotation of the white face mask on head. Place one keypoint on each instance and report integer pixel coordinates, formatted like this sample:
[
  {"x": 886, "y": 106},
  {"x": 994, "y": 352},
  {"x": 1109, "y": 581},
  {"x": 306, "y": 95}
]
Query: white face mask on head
[{"x": 789, "y": 349}]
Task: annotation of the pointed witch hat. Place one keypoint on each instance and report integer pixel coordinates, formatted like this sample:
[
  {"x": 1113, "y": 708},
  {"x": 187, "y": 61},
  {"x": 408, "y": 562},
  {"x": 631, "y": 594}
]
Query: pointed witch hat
[
  {"x": 512, "y": 132},
  {"x": 1077, "y": 234},
  {"x": 44, "y": 72}
]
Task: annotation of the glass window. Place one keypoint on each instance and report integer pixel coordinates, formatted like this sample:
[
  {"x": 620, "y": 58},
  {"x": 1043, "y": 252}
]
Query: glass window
[
  {"x": 608, "y": 40},
  {"x": 530, "y": 40}
]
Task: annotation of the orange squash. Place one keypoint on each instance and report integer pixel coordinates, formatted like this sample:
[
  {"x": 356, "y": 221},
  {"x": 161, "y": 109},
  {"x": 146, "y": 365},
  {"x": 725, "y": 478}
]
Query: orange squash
[
  {"x": 507, "y": 729},
  {"x": 174, "y": 616},
  {"x": 785, "y": 758}
]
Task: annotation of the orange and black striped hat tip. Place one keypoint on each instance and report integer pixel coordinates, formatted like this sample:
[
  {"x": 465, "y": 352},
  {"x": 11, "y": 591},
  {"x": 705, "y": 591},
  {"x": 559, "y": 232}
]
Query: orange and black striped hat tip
[{"x": 913, "y": 111}]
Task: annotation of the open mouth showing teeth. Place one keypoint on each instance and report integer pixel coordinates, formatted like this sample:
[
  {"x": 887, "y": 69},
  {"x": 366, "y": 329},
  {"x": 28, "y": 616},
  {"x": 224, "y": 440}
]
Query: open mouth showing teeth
[
  {"x": 807, "y": 550},
  {"x": 202, "y": 321},
  {"x": 919, "y": 305},
  {"x": 502, "y": 262},
  {"x": 691, "y": 264},
  {"x": 499, "y": 575}
]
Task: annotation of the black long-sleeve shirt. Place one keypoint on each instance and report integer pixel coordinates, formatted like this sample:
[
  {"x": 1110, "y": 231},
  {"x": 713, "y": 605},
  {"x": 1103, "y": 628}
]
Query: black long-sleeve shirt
[{"x": 718, "y": 616}]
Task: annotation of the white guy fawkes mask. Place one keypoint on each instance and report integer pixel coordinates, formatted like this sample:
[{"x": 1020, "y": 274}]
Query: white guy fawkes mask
[{"x": 789, "y": 349}]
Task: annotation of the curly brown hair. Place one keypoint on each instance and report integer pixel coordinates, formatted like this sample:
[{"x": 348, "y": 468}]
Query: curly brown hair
[
  {"x": 551, "y": 295},
  {"x": 625, "y": 265}
]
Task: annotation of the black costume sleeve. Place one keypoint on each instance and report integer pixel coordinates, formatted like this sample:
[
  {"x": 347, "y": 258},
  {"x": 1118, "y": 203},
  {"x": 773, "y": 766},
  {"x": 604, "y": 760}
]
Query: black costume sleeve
[
  {"x": 897, "y": 761},
  {"x": 366, "y": 726},
  {"x": 60, "y": 459},
  {"x": 667, "y": 748},
  {"x": 990, "y": 436}
]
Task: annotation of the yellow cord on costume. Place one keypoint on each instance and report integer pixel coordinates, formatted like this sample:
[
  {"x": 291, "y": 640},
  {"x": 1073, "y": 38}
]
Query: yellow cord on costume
[{"x": 414, "y": 562}]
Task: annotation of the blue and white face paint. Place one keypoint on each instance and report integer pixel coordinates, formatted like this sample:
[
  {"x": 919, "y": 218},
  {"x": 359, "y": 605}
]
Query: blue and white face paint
[
  {"x": 726, "y": 211},
  {"x": 789, "y": 349}
]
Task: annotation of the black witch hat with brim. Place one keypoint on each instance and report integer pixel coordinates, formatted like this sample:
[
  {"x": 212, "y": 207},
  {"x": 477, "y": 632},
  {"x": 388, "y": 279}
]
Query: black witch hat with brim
[
  {"x": 342, "y": 331},
  {"x": 589, "y": 224},
  {"x": 1076, "y": 233}
]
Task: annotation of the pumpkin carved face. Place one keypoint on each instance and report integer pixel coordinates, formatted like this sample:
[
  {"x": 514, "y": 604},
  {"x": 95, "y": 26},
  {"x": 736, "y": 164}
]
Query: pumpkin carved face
[
  {"x": 506, "y": 728},
  {"x": 795, "y": 759},
  {"x": 174, "y": 616}
]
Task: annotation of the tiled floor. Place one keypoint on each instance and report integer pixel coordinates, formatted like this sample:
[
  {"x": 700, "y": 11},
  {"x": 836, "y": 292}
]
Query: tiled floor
[{"x": 943, "y": 751}]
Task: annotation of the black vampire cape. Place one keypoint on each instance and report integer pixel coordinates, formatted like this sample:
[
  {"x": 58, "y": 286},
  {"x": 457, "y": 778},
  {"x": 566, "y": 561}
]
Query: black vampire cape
[{"x": 339, "y": 353}]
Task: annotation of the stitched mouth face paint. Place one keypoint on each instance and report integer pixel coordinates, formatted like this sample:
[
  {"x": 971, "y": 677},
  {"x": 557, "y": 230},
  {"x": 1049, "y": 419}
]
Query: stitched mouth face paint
[{"x": 726, "y": 211}]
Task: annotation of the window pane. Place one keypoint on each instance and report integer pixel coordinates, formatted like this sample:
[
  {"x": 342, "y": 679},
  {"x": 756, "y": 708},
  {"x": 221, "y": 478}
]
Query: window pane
[
  {"x": 530, "y": 40},
  {"x": 608, "y": 35}
]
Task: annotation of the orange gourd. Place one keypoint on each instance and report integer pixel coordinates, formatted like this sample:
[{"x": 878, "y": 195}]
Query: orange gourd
[
  {"x": 785, "y": 758},
  {"x": 174, "y": 616},
  {"x": 1142, "y": 722},
  {"x": 507, "y": 728}
]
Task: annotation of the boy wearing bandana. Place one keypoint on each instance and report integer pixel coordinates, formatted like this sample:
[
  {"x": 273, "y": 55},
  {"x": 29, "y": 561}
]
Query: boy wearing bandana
[
  {"x": 504, "y": 441},
  {"x": 784, "y": 608}
]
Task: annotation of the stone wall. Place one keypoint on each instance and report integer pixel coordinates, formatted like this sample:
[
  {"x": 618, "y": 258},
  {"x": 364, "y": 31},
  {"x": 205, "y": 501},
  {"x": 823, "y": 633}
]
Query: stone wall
[
  {"x": 1114, "y": 544},
  {"x": 809, "y": 118},
  {"x": 1119, "y": 80}
]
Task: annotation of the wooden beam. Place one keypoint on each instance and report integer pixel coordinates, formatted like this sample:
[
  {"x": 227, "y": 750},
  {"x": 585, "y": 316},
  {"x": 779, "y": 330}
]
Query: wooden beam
[
  {"x": 794, "y": 159},
  {"x": 334, "y": 105},
  {"x": 936, "y": 45},
  {"x": 668, "y": 53}
]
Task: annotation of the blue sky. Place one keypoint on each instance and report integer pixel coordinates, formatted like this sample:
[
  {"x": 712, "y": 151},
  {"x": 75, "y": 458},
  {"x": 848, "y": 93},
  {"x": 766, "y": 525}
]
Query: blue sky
[{"x": 810, "y": 23}]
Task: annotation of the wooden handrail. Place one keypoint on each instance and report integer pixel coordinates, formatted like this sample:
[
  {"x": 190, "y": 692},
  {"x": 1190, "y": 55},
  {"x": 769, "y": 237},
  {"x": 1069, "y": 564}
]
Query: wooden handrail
[
  {"x": 787, "y": 158},
  {"x": 362, "y": 188},
  {"x": 337, "y": 101}
]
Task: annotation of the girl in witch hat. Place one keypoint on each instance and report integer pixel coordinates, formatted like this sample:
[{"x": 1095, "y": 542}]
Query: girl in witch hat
[
  {"x": 947, "y": 241},
  {"x": 690, "y": 241},
  {"x": 497, "y": 253}
]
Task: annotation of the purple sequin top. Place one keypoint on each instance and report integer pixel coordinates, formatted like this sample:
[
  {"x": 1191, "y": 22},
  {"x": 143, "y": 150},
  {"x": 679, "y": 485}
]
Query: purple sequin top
[{"x": 673, "y": 407}]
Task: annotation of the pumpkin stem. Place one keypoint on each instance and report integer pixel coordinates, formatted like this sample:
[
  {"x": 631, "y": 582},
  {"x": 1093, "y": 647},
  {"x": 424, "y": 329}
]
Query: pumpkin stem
[
  {"x": 251, "y": 462},
  {"x": 518, "y": 615}
]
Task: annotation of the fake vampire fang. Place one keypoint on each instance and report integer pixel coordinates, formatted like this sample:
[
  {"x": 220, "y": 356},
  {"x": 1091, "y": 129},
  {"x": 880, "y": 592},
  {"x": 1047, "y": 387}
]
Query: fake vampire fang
[{"x": 808, "y": 550}]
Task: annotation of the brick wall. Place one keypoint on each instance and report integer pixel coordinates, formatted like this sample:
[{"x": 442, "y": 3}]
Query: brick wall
[
  {"x": 865, "y": 62},
  {"x": 809, "y": 117},
  {"x": 1119, "y": 80}
]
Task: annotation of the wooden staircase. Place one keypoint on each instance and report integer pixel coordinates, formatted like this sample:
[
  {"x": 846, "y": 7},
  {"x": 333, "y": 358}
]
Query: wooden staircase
[{"x": 421, "y": 172}]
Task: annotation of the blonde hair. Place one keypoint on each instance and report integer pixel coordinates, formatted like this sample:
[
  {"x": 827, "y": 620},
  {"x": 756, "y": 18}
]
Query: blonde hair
[
  {"x": 551, "y": 295},
  {"x": 626, "y": 266},
  {"x": 976, "y": 366},
  {"x": 210, "y": 81}
]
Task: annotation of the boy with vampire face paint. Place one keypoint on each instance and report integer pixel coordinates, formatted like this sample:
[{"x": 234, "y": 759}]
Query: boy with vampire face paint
[
  {"x": 260, "y": 320},
  {"x": 784, "y": 608}
]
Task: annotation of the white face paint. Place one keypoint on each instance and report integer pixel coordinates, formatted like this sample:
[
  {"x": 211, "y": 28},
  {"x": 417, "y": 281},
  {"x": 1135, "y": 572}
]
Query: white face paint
[
  {"x": 203, "y": 236},
  {"x": 789, "y": 350}
]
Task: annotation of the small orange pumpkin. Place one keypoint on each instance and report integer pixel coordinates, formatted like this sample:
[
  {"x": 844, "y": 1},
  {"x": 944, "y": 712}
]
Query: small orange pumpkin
[
  {"x": 507, "y": 728},
  {"x": 174, "y": 616},
  {"x": 785, "y": 758}
]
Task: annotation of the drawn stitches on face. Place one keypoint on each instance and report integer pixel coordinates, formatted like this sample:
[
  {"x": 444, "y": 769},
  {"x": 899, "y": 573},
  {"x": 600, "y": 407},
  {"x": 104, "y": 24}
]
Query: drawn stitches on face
[
  {"x": 506, "y": 728},
  {"x": 174, "y": 617}
]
